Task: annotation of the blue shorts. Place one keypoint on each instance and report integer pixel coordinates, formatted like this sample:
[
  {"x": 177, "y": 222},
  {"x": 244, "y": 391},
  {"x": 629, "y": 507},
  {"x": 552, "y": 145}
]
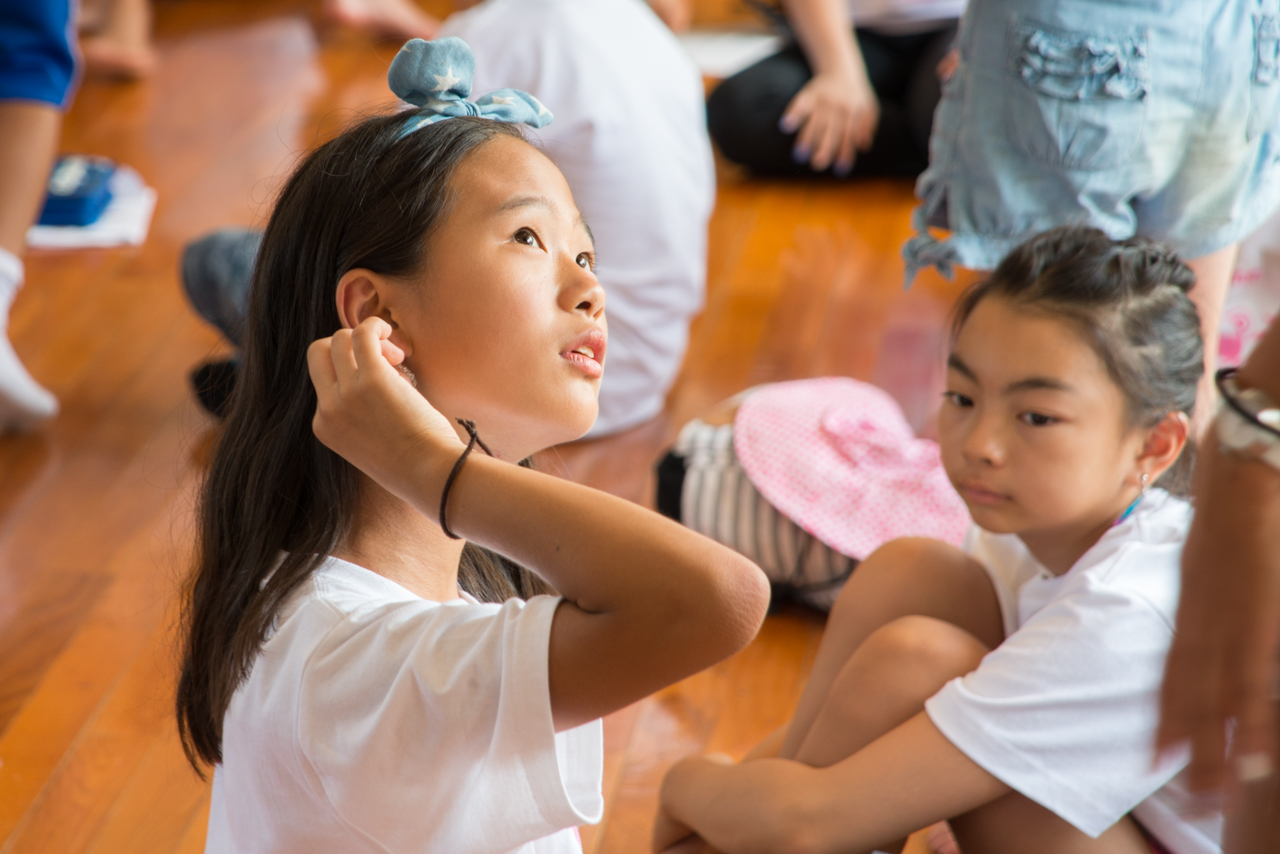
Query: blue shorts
[
  {"x": 1151, "y": 117},
  {"x": 37, "y": 51}
]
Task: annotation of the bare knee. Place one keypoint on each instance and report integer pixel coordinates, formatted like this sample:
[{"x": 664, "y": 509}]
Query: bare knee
[
  {"x": 917, "y": 575},
  {"x": 886, "y": 682},
  {"x": 926, "y": 645},
  {"x": 902, "y": 664}
]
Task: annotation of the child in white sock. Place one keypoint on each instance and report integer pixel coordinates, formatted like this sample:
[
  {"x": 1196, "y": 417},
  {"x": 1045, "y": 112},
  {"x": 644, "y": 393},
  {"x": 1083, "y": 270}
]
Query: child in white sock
[{"x": 24, "y": 403}]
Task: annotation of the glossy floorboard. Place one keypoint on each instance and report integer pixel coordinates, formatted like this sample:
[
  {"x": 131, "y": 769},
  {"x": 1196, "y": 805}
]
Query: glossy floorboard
[{"x": 95, "y": 511}]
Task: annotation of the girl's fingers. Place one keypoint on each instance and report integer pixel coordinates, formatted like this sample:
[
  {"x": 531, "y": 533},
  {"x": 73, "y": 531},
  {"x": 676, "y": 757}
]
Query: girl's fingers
[
  {"x": 320, "y": 366},
  {"x": 344, "y": 358},
  {"x": 844, "y": 157},
  {"x": 810, "y": 137},
  {"x": 366, "y": 344},
  {"x": 796, "y": 112},
  {"x": 393, "y": 354},
  {"x": 828, "y": 143}
]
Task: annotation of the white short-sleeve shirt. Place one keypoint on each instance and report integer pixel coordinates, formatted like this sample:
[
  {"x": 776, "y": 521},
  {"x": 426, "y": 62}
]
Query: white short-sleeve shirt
[
  {"x": 1065, "y": 710},
  {"x": 377, "y": 721},
  {"x": 630, "y": 135}
]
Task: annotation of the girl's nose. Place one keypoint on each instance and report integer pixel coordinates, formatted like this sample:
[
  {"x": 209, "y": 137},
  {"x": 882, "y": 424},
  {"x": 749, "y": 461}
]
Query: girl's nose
[
  {"x": 583, "y": 292},
  {"x": 983, "y": 444}
]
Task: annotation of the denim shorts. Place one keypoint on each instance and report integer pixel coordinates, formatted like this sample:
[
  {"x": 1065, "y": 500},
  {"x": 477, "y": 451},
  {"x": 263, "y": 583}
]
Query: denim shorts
[
  {"x": 37, "y": 53},
  {"x": 1151, "y": 117}
]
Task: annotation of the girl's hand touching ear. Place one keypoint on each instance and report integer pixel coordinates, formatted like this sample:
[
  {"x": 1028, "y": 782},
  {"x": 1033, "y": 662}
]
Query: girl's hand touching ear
[{"x": 367, "y": 412}]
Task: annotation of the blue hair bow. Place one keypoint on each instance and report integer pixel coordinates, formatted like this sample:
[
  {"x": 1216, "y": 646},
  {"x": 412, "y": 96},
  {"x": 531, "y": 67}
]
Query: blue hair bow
[{"x": 436, "y": 77}]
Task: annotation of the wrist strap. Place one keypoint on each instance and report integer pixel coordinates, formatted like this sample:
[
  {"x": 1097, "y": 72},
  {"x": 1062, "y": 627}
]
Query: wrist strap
[
  {"x": 470, "y": 427},
  {"x": 1237, "y": 407}
]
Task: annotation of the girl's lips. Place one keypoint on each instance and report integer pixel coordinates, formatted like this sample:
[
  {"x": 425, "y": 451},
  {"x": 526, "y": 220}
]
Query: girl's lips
[
  {"x": 590, "y": 367},
  {"x": 590, "y": 362},
  {"x": 981, "y": 495}
]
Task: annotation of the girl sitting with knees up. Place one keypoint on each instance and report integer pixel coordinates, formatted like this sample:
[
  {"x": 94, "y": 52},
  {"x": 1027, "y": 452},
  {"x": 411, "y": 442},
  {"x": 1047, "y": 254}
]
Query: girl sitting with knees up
[
  {"x": 368, "y": 662},
  {"x": 1010, "y": 685}
]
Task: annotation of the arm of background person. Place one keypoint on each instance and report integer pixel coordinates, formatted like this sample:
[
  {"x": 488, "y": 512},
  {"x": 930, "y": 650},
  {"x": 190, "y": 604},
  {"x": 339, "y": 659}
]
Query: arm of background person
[
  {"x": 646, "y": 601},
  {"x": 907, "y": 779},
  {"x": 836, "y": 112},
  {"x": 1222, "y": 665}
]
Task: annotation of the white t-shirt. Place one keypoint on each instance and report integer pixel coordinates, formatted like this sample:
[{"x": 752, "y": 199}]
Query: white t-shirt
[
  {"x": 1065, "y": 710},
  {"x": 377, "y": 721},
  {"x": 630, "y": 136},
  {"x": 902, "y": 17}
]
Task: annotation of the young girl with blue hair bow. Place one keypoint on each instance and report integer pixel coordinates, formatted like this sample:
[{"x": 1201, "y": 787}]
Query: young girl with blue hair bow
[{"x": 368, "y": 663}]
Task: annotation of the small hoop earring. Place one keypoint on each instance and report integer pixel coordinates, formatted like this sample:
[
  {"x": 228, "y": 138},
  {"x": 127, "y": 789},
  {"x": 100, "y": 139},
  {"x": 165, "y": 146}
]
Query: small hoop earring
[
  {"x": 1145, "y": 477},
  {"x": 413, "y": 381}
]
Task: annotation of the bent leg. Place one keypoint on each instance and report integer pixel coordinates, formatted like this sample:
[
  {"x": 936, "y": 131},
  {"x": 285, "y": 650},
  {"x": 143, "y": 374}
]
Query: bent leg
[
  {"x": 885, "y": 683},
  {"x": 1014, "y": 824},
  {"x": 743, "y": 113},
  {"x": 904, "y": 578}
]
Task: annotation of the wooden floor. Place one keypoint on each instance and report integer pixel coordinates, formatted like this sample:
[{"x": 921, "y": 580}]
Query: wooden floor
[{"x": 95, "y": 511}]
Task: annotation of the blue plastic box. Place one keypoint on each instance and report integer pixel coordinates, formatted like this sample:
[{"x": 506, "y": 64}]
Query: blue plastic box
[{"x": 79, "y": 190}]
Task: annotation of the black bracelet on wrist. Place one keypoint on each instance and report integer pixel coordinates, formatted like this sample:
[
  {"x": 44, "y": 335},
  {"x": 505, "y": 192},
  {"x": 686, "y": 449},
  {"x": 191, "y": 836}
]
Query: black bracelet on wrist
[
  {"x": 470, "y": 427},
  {"x": 1239, "y": 408}
]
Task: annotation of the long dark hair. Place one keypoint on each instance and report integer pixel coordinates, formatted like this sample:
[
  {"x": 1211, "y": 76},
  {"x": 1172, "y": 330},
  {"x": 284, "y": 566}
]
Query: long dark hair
[
  {"x": 1129, "y": 300},
  {"x": 275, "y": 502}
]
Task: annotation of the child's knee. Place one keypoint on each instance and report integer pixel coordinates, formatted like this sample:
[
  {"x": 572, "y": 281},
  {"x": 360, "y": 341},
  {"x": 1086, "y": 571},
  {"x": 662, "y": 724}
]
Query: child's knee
[
  {"x": 901, "y": 563},
  {"x": 925, "y": 648}
]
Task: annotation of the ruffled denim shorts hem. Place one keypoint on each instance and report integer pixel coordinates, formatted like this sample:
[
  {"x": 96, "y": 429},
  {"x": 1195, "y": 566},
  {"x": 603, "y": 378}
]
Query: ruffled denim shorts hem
[{"x": 1155, "y": 117}]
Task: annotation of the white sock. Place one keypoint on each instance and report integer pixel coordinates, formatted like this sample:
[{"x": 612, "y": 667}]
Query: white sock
[{"x": 24, "y": 403}]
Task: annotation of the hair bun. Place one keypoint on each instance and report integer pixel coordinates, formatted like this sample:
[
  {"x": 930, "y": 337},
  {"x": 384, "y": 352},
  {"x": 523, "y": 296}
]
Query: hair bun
[{"x": 1154, "y": 264}]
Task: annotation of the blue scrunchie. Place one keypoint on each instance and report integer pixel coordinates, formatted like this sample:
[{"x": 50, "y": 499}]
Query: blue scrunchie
[{"x": 435, "y": 76}]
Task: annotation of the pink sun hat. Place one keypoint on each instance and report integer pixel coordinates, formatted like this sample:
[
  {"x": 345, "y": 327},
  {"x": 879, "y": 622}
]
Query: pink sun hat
[{"x": 837, "y": 457}]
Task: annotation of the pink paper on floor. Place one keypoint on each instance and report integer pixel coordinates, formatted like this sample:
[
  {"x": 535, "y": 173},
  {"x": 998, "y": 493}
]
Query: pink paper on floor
[{"x": 837, "y": 456}]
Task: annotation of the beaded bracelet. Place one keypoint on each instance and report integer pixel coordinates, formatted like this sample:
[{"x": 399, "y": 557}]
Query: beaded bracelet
[{"x": 470, "y": 427}]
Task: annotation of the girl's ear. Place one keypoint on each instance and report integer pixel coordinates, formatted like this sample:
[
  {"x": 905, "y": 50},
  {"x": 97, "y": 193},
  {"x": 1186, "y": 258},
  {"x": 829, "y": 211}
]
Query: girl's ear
[
  {"x": 360, "y": 294},
  {"x": 1163, "y": 444}
]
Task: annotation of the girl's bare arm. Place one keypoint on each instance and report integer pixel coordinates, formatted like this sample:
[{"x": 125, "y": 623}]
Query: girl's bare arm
[
  {"x": 907, "y": 779},
  {"x": 647, "y": 602},
  {"x": 837, "y": 111}
]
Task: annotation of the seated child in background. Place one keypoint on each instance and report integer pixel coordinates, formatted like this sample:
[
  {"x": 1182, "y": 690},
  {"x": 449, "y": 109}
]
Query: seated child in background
[
  {"x": 850, "y": 96},
  {"x": 809, "y": 478},
  {"x": 350, "y": 665},
  {"x": 630, "y": 136},
  {"x": 1011, "y": 685}
]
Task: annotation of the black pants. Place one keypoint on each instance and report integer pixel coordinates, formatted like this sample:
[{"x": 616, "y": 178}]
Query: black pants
[{"x": 743, "y": 111}]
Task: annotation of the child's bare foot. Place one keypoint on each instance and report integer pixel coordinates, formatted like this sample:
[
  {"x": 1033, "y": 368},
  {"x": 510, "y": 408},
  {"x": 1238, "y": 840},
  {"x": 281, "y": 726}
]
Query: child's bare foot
[
  {"x": 392, "y": 19},
  {"x": 108, "y": 59},
  {"x": 121, "y": 46}
]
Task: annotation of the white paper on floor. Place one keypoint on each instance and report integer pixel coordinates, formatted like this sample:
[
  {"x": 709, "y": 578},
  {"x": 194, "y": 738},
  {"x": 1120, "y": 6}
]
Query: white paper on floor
[
  {"x": 724, "y": 53},
  {"x": 125, "y": 221}
]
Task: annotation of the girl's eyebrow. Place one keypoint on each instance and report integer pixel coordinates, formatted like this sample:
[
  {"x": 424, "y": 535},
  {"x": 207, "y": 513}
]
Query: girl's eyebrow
[
  {"x": 524, "y": 202},
  {"x": 1039, "y": 384},
  {"x": 541, "y": 202},
  {"x": 956, "y": 364}
]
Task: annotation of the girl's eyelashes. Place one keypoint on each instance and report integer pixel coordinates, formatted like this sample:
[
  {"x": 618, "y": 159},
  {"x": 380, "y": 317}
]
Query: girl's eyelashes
[
  {"x": 527, "y": 237},
  {"x": 586, "y": 261},
  {"x": 1037, "y": 419},
  {"x": 955, "y": 398}
]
